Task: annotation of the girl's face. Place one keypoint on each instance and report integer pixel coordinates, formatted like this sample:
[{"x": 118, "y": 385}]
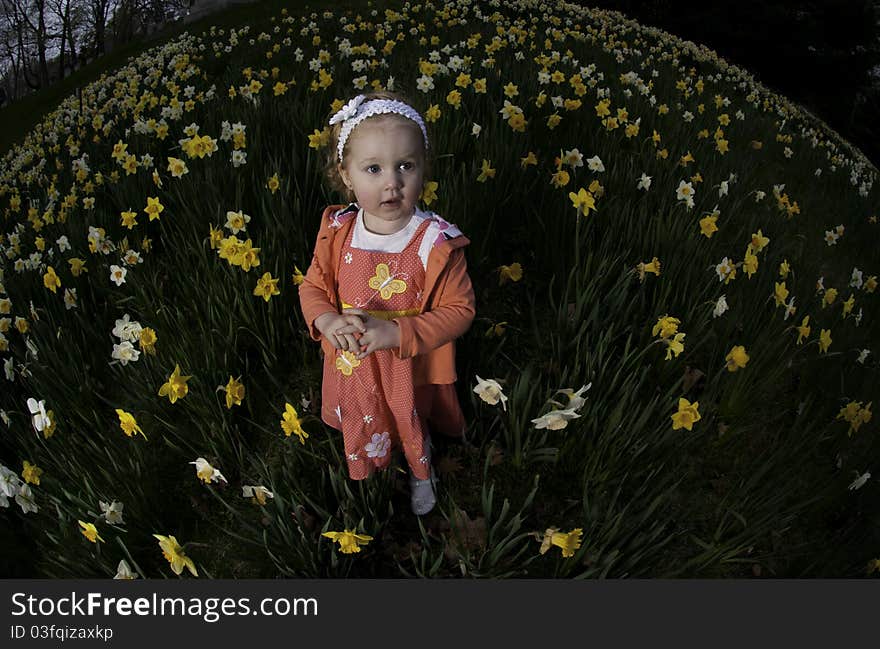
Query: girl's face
[{"x": 384, "y": 168}]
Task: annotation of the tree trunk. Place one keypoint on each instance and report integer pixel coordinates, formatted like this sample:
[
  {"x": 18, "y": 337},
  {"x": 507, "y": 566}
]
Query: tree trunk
[
  {"x": 61, "y": 56},
  {"x": 41, "y": 44}
]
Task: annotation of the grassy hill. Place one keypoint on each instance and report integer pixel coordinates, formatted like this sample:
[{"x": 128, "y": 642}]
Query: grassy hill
[{"x": 699, "y": 251}]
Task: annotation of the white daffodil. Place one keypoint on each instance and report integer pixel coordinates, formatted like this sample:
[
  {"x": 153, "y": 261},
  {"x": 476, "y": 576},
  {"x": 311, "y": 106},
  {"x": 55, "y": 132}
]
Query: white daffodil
[
  {"x": 489, "y": 391},
  {"x": 25, "y": 499},
  {"x": 112, "y": 513},
  {"x": 860, "y": 481},
  {"x": 720, "y": 306},
  {"x": 575, "y": 400},
  {"x": 125, "y": 352},
  {"x": 595, "y": 164},
  {"x": 127, "y": 329},
  {"x": 9, "y": 483},
  {"x": 856, "y": 279},
  {"x": 863, "y": 355},
  {"x": 206, "y": 472},
  {"x": 117, "y": 274},
  {"x": 555, "y": 419},
  {"x": 644, "y": 182},
  {"x": 39, "y": 418},
  {"x": 258, "y": 492},
  {"x": 123, "y": 571}
]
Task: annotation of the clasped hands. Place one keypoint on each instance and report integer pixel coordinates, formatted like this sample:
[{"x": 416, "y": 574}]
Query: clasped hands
[{"x": 358, "y": 332}]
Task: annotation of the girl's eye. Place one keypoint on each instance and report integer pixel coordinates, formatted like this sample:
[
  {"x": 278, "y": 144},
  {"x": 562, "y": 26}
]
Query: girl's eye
[{"x": 372, "y": 167}]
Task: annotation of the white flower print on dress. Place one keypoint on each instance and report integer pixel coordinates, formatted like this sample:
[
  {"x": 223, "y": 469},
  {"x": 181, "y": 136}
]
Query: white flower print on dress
[
  {"x": 368, "y": 419},
  {"x": 378, "y": 445},
  {"x": 348, "y": 258},
  {"x": 353, "y": 456}
]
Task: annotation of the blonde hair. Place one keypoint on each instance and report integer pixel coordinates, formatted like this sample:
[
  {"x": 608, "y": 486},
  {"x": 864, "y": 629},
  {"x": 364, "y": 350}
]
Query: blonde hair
[{"x": 331, "y": 171}]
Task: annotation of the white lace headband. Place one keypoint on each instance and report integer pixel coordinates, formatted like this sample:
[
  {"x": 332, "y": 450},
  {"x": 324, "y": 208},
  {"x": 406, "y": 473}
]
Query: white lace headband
[{"x": 357, "y": 110}]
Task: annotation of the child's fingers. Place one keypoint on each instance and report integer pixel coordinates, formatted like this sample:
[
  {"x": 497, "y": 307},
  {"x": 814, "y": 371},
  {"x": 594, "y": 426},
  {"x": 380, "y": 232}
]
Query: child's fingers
[
  {"x": 366, "y": 351},
  {"x": 350, "y": 343},
  {"x": 356, "y": 312},
  {"x": 350, "y": 329}
]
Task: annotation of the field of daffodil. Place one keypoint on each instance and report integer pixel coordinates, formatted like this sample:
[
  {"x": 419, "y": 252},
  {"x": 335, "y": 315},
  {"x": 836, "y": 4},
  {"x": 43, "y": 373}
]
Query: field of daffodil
[{"x": 674, "y": 359}]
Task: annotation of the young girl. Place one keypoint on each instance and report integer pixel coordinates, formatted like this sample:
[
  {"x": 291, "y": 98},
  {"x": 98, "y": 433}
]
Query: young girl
[{"x": 387, "y": 293}]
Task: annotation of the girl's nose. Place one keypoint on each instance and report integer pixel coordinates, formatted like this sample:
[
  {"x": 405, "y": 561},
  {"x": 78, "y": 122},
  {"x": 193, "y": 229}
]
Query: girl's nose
[{"x": 394, "y": 180}]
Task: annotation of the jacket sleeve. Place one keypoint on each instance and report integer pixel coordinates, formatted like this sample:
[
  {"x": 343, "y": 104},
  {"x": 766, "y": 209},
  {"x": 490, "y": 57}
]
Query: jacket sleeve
[
  {"x": 448, "y": 319},
  {"x": 313, "y": 291}
]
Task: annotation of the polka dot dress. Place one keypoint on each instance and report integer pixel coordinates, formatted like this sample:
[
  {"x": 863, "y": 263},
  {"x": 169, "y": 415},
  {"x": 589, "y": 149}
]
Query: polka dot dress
[{"x": 377, "y": 402}]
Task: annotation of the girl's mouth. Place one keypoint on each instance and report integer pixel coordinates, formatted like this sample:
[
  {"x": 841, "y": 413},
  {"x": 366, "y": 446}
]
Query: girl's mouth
[{"x": 394, "y": 203}]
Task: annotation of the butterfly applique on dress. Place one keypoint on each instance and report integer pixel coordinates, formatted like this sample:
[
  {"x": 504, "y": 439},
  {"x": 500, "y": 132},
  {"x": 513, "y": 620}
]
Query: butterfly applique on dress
[
  {"x": 346, "y": 362},
  {"x": 383, "y": 282}
]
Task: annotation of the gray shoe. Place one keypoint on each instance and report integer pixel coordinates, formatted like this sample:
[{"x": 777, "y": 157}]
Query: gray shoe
[{"x": 422, "y": 496}]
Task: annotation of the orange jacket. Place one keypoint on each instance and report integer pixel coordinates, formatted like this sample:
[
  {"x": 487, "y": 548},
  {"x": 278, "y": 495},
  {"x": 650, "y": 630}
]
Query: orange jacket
[{"x": 447, "y": 309}]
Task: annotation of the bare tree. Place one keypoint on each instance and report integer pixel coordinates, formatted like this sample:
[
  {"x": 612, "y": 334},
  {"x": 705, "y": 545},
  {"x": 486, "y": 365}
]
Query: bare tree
[{"x": 99, "y": 12}]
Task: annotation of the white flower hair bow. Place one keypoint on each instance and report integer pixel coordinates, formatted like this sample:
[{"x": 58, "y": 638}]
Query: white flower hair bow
[{"x": 347, "y": 111}]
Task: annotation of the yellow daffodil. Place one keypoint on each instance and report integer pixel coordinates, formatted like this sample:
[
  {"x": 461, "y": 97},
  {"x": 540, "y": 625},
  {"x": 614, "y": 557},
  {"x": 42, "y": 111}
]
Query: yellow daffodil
[
  {"x": 319, "y": 139},
  {"x": 582, "y": 201},
  {"x": 129, "y": 219},
  {"x": 803, "y": 330},
  {"x": 750, "y": 263},
  {"x": 848, "y": 305},
  {"x": 90, "y": 532},
  {"x": 736, "y": 358},
  {"x": 147, "y": 340},
  {"x": 128, "y": 423},
  {"x": 349, "y": 542},
  {"x": 512, "y": 273},
  {"x": 267, "y": 286},
  {"x": 51, "y": 280},
  {"x": 486, "y": 171},
  {"x": 234, "y": 392},
  {"x": 175, "y": 388},
  {"x": 175, "y": 555},
  {"x": 560, "y": 178},
  {"x": 154, "y": 207},
  {"x": 77, "y": 266},
  {"x": 496, "y": 330},
  {"x": 429, "y": 192},
  {"x": 707, "y": 225},
  {"x": 31, "y": 473},
  {"x": 273, "y": 183},
  {"x": 674, "y": 345},
  {"x": 759, "y": 241},
  {"x": 687, "y": 415},
  {"x": 666, "y": 326},
  {"x": 824, "y": 340},
  {"x": 651, "y": 267},
  {"x": 780, "y": 293},
  {"x": 567, "y": 541},
  {"x": 855, "y": 415},
  {"x": 830, "y": 296},
  {"x": 291, "y": 424}
]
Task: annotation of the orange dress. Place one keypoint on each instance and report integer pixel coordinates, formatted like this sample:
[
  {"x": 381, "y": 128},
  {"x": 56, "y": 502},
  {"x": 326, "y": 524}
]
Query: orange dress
[{"x": 377, "y": 397}]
